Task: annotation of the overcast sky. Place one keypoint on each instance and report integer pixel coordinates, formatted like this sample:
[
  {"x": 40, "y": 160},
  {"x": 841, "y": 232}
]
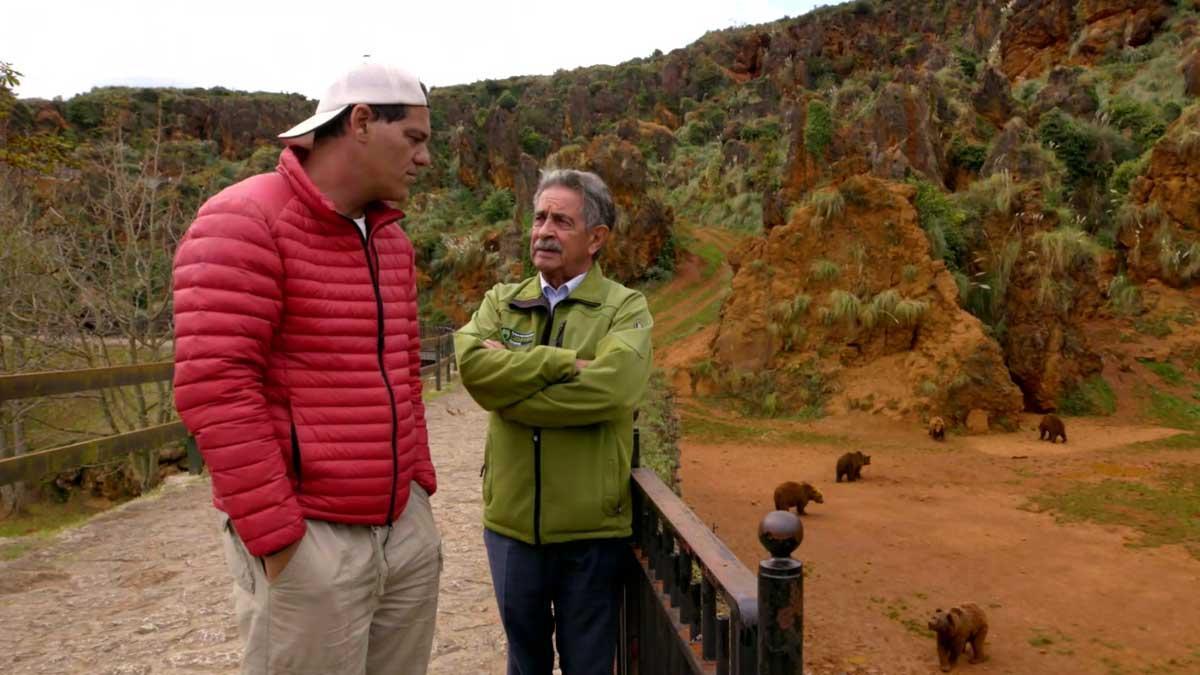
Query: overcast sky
[{"x": 69, "y": 46}]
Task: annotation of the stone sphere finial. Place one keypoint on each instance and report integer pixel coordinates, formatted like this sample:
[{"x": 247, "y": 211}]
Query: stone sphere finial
[{"x": 781, "y": 533}]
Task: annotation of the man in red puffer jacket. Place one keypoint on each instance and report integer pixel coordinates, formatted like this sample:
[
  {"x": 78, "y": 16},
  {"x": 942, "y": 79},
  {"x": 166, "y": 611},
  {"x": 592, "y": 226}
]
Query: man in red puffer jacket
[{"x": 297, "y": 369}]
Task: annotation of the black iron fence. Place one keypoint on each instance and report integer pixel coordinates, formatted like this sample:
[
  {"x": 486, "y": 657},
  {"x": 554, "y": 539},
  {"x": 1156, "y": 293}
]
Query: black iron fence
[{"x": 690, "y": 606}]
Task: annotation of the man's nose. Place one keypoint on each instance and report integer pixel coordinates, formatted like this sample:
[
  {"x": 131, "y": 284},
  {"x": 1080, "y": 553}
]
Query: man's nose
[{"x": 423, "y": 157}]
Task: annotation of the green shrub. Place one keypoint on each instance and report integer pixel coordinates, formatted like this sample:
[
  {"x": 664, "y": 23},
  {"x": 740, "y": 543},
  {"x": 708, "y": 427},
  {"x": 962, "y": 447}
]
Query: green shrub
[
  {"x": 765, "y": 129},
  {"x": 658, "y": 423},
  {"x": 829, "y": 205},
  {"x": 497, "y": 206},
  {"x": 969, "y": 156},
  {"x": 1140, "y": 119},
  {"x": 844, "y": 307},
  {"x": 1066, "y": 249},
  {"x": 534, "y": 143},
  {"x": 1126, "y": 172},
  {"x": 1180, "y": 260},
  {"x": 1092, "y": 396},
  {"x": 824, "y": 270},
  {"x": 1123, "y": 296},
  {"x": 818, "y": 129},
  {"x": 507, "y": 101},
  {"x": 942, "y": 222}
]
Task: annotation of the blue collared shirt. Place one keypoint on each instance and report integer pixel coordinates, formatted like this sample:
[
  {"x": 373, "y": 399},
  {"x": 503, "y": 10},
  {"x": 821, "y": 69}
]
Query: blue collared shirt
[{"x": 557, "y": 295}]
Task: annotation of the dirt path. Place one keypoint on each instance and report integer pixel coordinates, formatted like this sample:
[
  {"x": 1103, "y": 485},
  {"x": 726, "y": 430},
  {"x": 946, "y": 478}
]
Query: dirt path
[
  {"x": 690, "y": 290},
  {"x": 933, "y": 525},
  {"x": 144, "y": 589}
]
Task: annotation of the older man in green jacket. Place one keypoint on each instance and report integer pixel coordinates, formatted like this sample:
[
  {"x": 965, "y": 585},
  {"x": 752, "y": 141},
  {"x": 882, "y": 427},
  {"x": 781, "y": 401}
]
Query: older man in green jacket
[{"x": 561, "y": 360}]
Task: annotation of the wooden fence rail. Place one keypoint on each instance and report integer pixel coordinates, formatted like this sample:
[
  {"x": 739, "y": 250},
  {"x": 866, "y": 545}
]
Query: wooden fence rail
[{"x": 437, "y": 346}]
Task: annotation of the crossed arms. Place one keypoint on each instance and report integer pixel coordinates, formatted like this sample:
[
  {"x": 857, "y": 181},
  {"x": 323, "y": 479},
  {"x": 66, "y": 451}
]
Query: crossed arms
[{"x": 550, "y": 387}]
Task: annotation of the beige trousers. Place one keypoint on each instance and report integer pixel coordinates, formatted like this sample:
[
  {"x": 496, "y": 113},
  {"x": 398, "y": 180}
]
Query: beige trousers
[{"x": 354, "y": 599}]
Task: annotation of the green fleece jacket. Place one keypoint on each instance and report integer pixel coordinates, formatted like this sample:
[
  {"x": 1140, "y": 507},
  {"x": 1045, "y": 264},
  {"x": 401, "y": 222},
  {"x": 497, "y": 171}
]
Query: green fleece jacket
[{"x": 560, "y": 440}]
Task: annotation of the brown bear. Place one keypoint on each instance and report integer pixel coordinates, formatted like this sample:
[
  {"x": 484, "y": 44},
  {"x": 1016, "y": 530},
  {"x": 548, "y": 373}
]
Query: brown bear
[
  {"x": 955, "y": 629},
  {"x": 850, "y": 465},
  {"x": 1051, "y": 427},
  {"x": 937, "y": 428},
  {"x": 791, "y": 494}
]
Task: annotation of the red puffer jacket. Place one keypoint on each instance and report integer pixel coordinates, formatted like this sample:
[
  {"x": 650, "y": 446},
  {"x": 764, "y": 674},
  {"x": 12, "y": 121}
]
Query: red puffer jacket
[{"x": 296, "y": 358}]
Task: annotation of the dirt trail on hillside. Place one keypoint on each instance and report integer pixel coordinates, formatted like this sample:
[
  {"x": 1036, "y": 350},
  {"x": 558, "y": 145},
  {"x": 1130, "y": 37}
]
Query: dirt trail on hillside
[
  {"x": 144, "y": 588},
  {"x": 688, "y": 290},
  {"x": 933, "y": 525}
]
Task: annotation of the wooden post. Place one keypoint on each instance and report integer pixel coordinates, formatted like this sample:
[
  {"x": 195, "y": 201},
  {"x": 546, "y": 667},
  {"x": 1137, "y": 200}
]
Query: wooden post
[
  {"x": 195, "y": 461},
  {"x": 437, "y": 365}
]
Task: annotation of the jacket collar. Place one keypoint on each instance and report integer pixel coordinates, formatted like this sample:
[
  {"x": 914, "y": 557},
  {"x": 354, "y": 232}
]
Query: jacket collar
[
  {"x": 290, "y": 165},
  {"x": 590, "y": 292}
]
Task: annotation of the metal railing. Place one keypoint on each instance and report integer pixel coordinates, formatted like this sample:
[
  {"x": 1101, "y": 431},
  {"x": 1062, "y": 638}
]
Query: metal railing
[
  {"x": 690, "y": 606},
  {"x": 35, "y": 466}
]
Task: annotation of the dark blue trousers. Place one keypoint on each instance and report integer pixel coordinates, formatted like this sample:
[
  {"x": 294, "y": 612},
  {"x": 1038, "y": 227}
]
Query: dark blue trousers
[{"x": 565, "y": 593}]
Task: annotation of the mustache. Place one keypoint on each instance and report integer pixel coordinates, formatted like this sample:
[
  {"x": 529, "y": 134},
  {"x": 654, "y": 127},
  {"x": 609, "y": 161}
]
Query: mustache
[{"x": 548, "y": 245}]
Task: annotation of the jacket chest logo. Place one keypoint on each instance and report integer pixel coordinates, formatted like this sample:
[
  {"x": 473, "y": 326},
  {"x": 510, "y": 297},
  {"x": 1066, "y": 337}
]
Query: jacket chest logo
[{"x": 515, "y": 338}]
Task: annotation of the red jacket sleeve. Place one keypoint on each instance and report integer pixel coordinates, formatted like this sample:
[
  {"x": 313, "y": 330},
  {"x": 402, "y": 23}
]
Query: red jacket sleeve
[{"x": 228, "y": 289}]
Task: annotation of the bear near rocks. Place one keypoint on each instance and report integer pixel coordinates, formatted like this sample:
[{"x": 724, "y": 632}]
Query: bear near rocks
[
  {"x": 937, "y": 428},
  {"x": 955, "y": 629},
  {"x": 851, "y": 464},
  {"x": 791, "y": 494},
  {"x": 1050, "y": 428}
]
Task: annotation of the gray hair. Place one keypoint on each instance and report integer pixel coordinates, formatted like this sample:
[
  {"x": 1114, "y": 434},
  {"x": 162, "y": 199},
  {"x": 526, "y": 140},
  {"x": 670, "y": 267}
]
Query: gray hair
[{"x": 598, "y": 208}]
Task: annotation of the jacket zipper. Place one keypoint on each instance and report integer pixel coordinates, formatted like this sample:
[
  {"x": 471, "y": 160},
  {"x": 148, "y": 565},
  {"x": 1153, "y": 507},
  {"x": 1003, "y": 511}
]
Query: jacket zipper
[
  {"x": 379, "y": 343},
  {"x": 537, "y": 448}
]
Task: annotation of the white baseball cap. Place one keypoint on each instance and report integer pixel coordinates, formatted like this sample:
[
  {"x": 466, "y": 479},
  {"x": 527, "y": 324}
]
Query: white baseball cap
[{"x": 368, "y": 83}]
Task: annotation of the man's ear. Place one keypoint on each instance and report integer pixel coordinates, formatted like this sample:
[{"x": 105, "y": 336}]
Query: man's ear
[
  {"x": 360, "y": 115},
  {"x": 598, "y": 236}
]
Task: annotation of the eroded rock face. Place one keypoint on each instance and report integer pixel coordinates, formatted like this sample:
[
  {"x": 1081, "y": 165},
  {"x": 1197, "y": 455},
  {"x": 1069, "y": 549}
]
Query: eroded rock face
[
  {"x": 1063, "y": 90},
  {"x": 902, "y": 362},
  {"x": 640, "y": 240},
  {"x": 1041, "y": 33},
  {"x": 1036, "y": 36},
  {"x": 1191, "y": 73},
  {"x": 993, "y": 97},
  {"x": 1045, "y": 345},
  {"x": 1161, "y": 238},
  {"x": 1110, "y": 25},
  {"x": 1016, "y": 151}
]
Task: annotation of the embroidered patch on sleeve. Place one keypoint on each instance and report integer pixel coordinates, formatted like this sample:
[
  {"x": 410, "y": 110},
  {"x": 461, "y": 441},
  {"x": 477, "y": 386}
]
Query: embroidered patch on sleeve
[{"x": 515, "y": 338}]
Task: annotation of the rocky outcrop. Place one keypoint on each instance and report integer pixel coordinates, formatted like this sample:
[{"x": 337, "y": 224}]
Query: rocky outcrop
[
  {"x": 1064, "y": 90},
  {"x": 1160, "y": 233},
  {"x": 639, "y": 242},
  {"x": 855, "y": 297},
  {"x": 1111, "y": 25},
  {"x": 902, "y": 126},
  {"x": 1042, "y": 33},
  {"x": 993, "y": 97},
  {"x": 237, "y": 122},
  {"x": 1036, "y": 36},
  {"x": 1017, "y": 151},
  {"x": 1191, "y": 73}
]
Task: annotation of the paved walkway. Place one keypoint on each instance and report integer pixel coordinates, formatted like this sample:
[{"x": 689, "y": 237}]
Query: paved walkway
[{"x": 143, "y": 588}]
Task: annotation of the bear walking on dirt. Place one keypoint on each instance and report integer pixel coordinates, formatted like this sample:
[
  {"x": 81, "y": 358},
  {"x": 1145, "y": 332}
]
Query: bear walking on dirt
[
  {"x": 851, "y": 464},
  {"x": 1051, "y": 427},
  {"x": 937, "y": 428},
  {"x": 955, "y": 629},
  {"x": 791, "y": 494}
]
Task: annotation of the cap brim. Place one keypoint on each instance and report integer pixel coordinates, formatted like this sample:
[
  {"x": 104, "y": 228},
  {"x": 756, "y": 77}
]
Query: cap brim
[{"x": 300, "y": 132}]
